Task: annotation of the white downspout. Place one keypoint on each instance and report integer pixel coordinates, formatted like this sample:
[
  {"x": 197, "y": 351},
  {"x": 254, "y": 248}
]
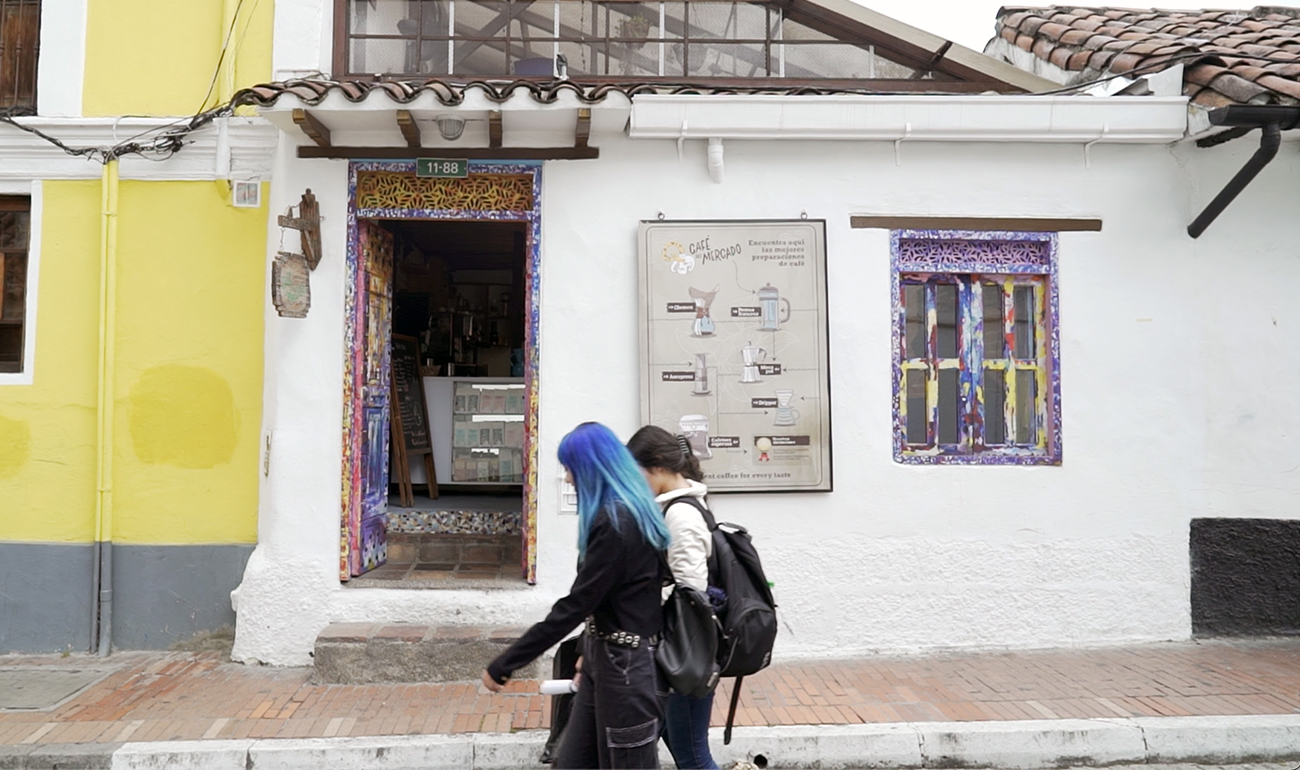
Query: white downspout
[{"x": 715, "y": 160}]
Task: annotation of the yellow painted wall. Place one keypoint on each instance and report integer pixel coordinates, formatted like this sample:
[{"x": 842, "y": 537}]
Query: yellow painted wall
[
  {"x": 47, "y": 429},
  {"x": 157, "y": 57},
  {"x": 191, "y": 278}
]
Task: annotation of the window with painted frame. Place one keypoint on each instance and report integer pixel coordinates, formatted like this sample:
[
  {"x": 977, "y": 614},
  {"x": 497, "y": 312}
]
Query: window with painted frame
[{"x": 976, "y": 348}]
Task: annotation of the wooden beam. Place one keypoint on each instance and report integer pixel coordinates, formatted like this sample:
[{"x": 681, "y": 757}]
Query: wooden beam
[
  {"x": 583, "y": 131},
  {"x": 410, "y": 131},
  {"x": 312, "y": 127},
  {"x": 494, "y": 128},
  {"x": 476, "y": 153},
  {"x": 1026, "y": 225}
]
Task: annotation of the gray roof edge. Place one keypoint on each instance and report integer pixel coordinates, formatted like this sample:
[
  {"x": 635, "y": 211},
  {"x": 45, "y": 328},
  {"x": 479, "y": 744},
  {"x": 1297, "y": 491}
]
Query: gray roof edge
[{"x": 960, "y": 54}]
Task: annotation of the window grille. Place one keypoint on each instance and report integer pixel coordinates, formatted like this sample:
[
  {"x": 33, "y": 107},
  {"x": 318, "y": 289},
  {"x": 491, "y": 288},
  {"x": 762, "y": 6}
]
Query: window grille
[
  {"x": 20, "y": 36},
  {"x": 15, "y": 221},
  {"x": 607, "y": 40}
]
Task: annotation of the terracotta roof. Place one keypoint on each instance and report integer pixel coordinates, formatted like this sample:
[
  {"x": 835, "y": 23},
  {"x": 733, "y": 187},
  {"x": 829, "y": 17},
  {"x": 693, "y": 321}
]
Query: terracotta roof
[
  {"x": 1230, "y": 57},
  {"x": 452, "y": 93}
]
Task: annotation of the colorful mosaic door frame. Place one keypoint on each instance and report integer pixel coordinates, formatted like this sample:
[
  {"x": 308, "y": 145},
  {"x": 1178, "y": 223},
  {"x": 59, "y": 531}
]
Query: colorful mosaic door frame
[{"x": 493, "y": 192}]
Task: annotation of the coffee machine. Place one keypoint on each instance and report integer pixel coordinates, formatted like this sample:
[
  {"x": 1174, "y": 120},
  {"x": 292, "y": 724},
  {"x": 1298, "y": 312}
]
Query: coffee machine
[
  {"x": 753, "y": 355},
  {"x": 695, "y": 429}
]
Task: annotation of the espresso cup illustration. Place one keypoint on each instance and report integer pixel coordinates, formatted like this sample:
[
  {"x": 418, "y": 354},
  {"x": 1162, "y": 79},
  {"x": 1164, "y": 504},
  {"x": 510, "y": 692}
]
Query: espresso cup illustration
[{"x": 786, "y": 414}]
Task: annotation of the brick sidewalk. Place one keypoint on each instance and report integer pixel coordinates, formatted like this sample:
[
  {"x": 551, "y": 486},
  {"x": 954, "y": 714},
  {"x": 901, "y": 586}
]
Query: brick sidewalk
[{"x": 187, "y": 696}]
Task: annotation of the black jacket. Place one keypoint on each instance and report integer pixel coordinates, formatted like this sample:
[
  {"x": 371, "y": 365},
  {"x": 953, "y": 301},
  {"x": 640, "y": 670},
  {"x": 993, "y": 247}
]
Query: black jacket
[{"x": 618, "y": 583}]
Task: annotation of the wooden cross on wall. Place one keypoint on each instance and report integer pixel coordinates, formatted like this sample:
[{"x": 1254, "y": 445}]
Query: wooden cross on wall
[{"x": 308, "y": 223}]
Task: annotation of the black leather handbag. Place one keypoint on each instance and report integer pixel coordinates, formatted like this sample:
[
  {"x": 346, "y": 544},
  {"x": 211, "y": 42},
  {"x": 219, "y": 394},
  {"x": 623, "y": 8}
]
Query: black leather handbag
[{"x": 688, "y": 647}]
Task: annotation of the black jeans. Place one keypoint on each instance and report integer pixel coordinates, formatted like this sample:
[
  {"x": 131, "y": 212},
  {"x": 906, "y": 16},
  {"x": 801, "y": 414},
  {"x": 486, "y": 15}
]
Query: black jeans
[{"x": 618, "y": 712}]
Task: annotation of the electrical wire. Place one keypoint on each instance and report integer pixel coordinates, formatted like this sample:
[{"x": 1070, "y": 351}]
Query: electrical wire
[{"x": 172, "y": 136}]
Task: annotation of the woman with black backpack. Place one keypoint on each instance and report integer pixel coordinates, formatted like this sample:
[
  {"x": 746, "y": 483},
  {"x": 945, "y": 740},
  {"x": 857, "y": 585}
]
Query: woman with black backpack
[{"x": 675, "y": 478}]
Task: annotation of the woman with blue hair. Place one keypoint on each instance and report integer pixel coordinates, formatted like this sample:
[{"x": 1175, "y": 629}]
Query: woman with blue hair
[{"x": 617, "y": 715}]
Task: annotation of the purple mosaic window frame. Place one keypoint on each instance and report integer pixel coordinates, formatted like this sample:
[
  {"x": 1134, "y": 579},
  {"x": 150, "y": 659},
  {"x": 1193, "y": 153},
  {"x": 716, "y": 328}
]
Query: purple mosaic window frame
[
  {"x": 957, "y": 252},
  {"x": 533, "y": 279}
]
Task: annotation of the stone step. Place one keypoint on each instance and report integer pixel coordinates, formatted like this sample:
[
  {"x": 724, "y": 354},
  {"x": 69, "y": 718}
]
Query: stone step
[{"x": 375, "y": 653}]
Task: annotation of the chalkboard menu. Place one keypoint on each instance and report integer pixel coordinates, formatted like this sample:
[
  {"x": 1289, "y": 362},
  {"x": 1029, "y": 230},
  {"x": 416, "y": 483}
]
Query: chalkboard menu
[{"x": 413, "y": 419}]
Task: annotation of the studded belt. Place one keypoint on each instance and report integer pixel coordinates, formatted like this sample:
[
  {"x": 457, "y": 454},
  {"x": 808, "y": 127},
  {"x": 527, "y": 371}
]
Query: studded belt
[{"x": 619, "y": 638}]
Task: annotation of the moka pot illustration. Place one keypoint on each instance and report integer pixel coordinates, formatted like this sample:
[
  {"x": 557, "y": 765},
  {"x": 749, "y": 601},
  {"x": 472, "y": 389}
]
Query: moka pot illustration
[
  {"x": 770, "y": 301},
  {"x": 703, "y": 325},
  {"x": 753, "y": 355}
]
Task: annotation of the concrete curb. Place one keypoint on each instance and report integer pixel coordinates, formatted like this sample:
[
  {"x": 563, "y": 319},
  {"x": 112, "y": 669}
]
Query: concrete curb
[
  {"x": 1006, "y": 745},
  {"x": 58, "y": 756}
]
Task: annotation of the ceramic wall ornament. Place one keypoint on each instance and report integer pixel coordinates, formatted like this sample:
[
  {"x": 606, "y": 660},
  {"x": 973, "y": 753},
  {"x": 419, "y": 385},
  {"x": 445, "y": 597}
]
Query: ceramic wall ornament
[{"x": 291, "y": 285}]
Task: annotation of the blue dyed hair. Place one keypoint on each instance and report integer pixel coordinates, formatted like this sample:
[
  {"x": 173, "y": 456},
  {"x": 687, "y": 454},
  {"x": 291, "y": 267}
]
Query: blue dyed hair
[{"x": 604, "y": 474}]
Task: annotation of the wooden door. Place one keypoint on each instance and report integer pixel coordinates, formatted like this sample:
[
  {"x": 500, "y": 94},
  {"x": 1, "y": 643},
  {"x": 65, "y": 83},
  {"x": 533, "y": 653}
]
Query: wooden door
[{"x": 367, "y": 404}]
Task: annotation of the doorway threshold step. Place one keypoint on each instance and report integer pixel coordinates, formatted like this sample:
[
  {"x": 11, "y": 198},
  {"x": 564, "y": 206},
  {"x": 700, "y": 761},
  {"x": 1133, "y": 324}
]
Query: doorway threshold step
[{"x": 375, "y": 653}]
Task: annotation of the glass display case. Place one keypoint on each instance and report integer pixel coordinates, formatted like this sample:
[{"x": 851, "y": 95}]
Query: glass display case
[{"x": 488, "y": 427}]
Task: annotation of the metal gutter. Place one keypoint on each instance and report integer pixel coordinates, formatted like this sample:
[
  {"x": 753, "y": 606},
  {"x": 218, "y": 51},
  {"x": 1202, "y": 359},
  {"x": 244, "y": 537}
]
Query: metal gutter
[
  {"x": 909, "y": 118},
  {"x": 1271, "y": 120}
]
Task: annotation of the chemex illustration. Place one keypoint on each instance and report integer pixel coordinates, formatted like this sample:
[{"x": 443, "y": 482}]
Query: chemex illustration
[
  {"x": 701, "y": 375},
  {"x": 770, "y": 300},
  {"x": 703, "y": 326},
  {"x": 753, "y": 355},
  {"x": 695, "y": 428},
  {"x": 786, "y": 414}
]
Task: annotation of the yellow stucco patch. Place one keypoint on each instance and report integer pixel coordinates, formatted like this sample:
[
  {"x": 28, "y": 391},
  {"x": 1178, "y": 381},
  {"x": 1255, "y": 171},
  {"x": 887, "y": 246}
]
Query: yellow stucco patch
[
  {"x": 15, "y": 446},
  {"x": 190, "y": 306},
  {"x": 183, "y": 416}
]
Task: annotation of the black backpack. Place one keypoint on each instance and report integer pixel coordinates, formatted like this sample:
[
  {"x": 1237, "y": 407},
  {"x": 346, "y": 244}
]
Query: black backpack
[{"x": 748, "y": 615}]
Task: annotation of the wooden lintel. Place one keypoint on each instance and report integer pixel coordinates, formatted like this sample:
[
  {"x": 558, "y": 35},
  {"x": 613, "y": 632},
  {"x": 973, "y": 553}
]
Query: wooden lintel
[
  {"x": 1024, "y": 225},
  {"x": 583, "y": 131},
  {"x": 494, "y": 128},
  {"x": 312, "y": 127},
  {"x": 410, "y": 131},
  {"x": 477, "y": 153}
]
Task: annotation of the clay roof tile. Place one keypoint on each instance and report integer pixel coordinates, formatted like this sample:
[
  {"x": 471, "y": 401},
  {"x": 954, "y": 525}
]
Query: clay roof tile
[
  {"x": 1031, "y": 25},
  {"x": 1060, "y": 57},
  {"x": 1282, "y": 85},
  {"x": 1078, "y": 60}
]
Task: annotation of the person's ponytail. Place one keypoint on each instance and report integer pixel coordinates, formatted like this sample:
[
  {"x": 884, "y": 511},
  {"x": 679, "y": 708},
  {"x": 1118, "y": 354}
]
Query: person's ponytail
[{"x": 654, "y": 447}]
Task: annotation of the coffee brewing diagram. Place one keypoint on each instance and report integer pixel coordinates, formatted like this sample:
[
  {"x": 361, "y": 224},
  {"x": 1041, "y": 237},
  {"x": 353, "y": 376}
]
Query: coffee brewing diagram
[{"x": 734, "y": 348}]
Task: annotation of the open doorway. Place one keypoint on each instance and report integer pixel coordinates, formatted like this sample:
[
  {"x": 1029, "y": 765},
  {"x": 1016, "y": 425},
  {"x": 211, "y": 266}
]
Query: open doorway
[{"x": 459, "y": 298}]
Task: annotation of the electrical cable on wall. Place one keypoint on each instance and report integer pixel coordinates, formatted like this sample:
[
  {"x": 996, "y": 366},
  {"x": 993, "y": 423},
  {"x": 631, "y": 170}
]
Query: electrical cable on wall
[{"x": 172, "y": 138}]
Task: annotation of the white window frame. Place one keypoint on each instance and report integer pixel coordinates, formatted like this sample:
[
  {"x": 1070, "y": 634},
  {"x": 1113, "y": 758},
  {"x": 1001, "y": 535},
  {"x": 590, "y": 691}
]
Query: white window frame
[{"x": 34, "y": 190}]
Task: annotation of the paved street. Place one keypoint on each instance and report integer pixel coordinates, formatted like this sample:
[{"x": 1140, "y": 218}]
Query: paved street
[{"x": 197, "y": 696}]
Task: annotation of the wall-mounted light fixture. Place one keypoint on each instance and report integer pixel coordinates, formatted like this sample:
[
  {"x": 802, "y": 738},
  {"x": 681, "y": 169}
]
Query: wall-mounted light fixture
[{"x": 450, "y": 126}]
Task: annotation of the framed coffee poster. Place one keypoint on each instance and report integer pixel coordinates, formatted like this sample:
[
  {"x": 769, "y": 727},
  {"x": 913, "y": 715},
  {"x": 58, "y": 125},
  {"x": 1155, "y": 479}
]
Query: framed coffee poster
[{"x": 734, "y": 348}]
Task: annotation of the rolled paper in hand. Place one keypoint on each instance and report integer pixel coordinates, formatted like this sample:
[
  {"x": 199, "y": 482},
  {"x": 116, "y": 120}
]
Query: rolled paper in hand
[{"x": 558, "y": 687}]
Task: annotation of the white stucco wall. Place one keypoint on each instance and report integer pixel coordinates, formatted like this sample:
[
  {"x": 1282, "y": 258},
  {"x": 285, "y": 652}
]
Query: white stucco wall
[{"x": 1178, "y": 375}]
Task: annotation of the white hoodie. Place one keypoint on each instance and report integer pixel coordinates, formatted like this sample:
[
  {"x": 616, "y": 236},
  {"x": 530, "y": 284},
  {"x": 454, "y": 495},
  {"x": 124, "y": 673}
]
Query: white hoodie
[{"x": 692, "y": 543}]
